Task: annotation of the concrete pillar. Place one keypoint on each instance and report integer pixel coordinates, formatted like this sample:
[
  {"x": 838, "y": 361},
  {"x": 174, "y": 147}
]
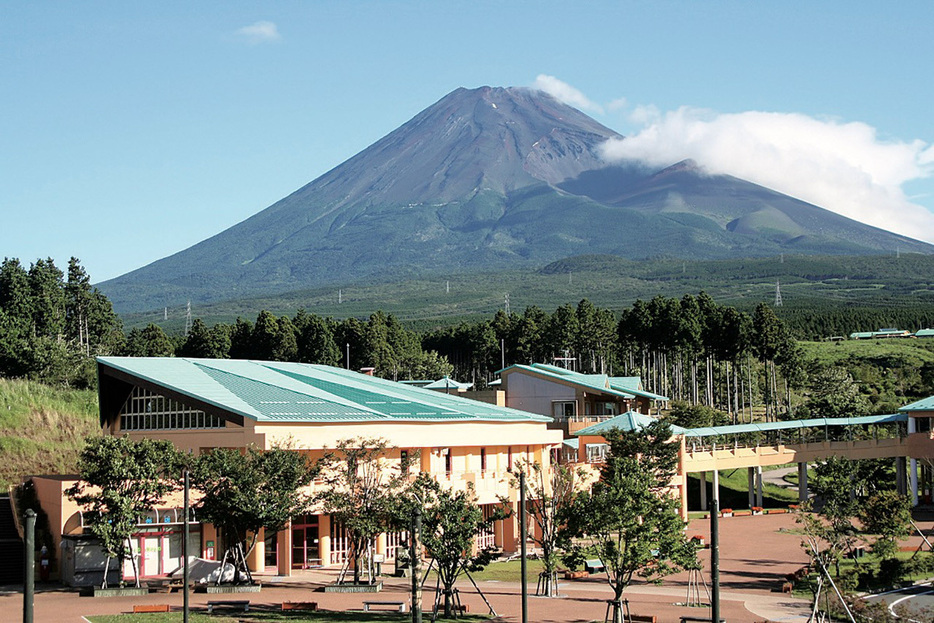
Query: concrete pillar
[
  {"x": 716, "y": 486},
  {"x": 759, "y": 501},
  {"x": 256, "y": 560},
  {"x": 284, "y": 551},
  {"x": 324, "y": 539},
  {"x": 901, "y": 475},
  {"x": 703, "y": 490},
  {"x": 803, "y": 481},
  {"x": 913, "y": 478},
  {"x": 751, "y": 485}
]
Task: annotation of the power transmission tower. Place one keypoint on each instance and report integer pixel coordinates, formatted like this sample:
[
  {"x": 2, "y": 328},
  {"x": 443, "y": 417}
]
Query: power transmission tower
[
  {"x": 507, "y": 303},
  {"x": 340, "y": 297},
  {"x": 447, "y": 285},
  {"x": 778, "y": 294},
  {"x": 188, "y": 318}
]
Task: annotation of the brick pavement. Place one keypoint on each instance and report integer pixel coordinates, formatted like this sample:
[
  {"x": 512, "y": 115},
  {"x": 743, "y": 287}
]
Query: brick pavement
[{"x": 756, "y": 553}]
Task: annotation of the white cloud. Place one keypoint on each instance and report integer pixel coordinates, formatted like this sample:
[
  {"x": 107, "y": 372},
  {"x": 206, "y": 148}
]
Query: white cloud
[
  {"x": 564, "y": 92},
  {"x": 618, "y": 104},
  {"x": 260, "y": 32},
  {"x": 844, "y": 167}
]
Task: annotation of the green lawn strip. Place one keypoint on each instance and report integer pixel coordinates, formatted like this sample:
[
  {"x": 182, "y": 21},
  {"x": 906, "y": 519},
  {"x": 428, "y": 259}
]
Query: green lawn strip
[{"x": 509, "y": 571}]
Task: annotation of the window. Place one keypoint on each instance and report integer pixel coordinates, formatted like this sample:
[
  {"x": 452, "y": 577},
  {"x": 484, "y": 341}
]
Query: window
[
  {"x": 448, "y": 461},
  {"x": 509, "y": 459},
  {"x": 923, "y": 424},
  {"x": 145, "y": 410},
  {"x": 564, "y": 409},
  {"x": 482, "y": 460},
  {"x": 404, "y": 461},
  {"x": 596, "y": 452}
]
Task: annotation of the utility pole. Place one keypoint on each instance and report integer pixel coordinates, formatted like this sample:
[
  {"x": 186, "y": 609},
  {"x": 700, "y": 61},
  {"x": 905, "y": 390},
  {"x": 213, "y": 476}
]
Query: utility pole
[
  {"x": 522, "y": 529},
  {"x": 715, "y": 555},
  {"x": 415, "y": 555},
  {"x": 185, "y": 539},
  {"x": 29, "y": 566}
]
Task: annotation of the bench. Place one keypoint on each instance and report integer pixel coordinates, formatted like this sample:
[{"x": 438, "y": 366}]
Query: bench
[
  {"x": 398, "y": 606},
  {"x": 642, "y": 618},
  {"x": 300, "y": 605},
  {"x": 594, "y": 566},
  {"x": 575, "y": 575},
  {"x": 691, "y": 619},
  {"x": 229, "y": 603},
  {"x": 140, "y": 608}
]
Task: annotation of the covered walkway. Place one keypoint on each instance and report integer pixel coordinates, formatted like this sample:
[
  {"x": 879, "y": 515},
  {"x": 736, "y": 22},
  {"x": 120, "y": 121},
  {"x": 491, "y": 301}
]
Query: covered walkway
[{"x": 768, "y": 444}]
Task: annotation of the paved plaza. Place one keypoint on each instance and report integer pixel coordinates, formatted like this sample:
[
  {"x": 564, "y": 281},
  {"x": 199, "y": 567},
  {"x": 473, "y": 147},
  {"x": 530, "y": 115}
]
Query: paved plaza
[{"x": 756, "y": 553}]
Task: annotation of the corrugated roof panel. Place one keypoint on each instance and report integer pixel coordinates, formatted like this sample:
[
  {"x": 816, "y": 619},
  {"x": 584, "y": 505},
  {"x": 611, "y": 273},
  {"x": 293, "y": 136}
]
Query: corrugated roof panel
[
  {"x": 279, "y": 391},
  {"x": 925, "y": 404}
]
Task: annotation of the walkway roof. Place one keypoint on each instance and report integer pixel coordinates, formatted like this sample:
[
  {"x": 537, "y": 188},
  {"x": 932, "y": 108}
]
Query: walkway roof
[
  {"x": 631, "y": 420},
  {"x": 270, "y": 391},
  {"x": 622, "y": 386},
  {"x": 736, "y": 429}
]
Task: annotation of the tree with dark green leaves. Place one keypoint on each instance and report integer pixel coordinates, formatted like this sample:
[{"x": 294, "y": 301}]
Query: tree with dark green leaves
[
  {"x": 836, "y": 484},
  {"x": 244, "y": 492},
  {"x": 451, "y": 522},
  {"x": 630, "y": 519},
  {"x": 362, "y": 495},
  {"x": 150, "y": 341},
  {"x": 120, "y": 481},
  {"x": 834, "y": 393},
  {"x": 887, "y": 515},
  {"x": 315, "y": 339},
  {"x": 204, "y": 342}
]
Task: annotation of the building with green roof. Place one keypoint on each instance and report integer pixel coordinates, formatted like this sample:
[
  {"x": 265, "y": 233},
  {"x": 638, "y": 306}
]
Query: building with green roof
[
  {"x": 202, "y": 404},
  {"x": 573, "y": 399}
]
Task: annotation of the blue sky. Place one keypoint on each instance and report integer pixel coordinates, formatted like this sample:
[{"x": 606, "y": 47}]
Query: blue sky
[{"x": 131, "y": 131}]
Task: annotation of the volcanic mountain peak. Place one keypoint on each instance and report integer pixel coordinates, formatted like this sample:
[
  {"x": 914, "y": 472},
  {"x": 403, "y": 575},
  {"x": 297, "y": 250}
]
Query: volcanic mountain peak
[
  {"x": 497, "y": 139},
  {"x": 489, "y": 179}
]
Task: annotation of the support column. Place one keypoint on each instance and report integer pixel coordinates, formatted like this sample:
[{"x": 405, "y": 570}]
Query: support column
[
  {"x": 716, "y": 487},
  {"x": 913, "y": 478},
  {"x": 900, "y": 475},
  {"x": 759, "y": 501},
  {"x": 703, "y": 490},
  {"x": 751, "y": 485},
  {"x": 803, "y": 482}
]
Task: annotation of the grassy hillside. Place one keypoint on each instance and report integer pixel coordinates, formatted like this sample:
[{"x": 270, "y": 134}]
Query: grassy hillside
[
  {"x": 891, "y": 372},
  {"x": 42, "y": 428}
]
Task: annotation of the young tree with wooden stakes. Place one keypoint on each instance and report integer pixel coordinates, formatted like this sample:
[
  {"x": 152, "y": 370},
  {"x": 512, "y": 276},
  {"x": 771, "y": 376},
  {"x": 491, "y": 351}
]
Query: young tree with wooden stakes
[
  {"x": 244, "y": 492},
  {"x": 548, "y": 492},
  {"x": 121, "y": 481},
  {"x": 451, "y": 522},
  {"x": 630, "y": 519},
  {"x": 362, "y": 495}
]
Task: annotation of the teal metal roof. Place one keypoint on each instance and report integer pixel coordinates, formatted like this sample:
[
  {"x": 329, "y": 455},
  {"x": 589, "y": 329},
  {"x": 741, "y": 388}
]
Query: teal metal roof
[
  {"x": 624, "y": 387},
  {"x": 736, "y": 429},
  {"x": 924, "y": 333},
  {"x": 572, "y": 443},
  {"x": 631, "y": 420},
  {"x": 268, "y": 391},
  {"x": 447, "y": 383},
  {"x": 925, "y": 404}
]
